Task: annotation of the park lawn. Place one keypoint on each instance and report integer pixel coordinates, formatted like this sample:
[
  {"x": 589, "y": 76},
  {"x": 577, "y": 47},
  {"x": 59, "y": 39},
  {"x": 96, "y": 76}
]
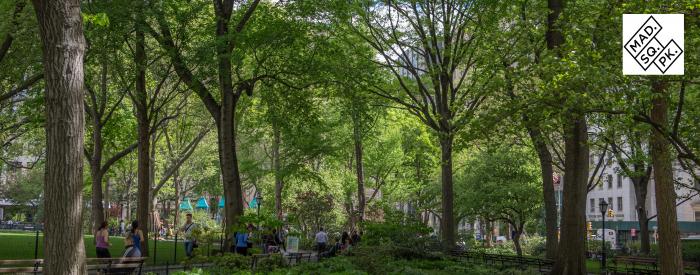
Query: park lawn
[{"x": 20, "y": 245}]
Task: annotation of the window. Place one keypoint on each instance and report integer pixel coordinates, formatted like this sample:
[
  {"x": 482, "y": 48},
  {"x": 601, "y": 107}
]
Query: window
[
  {"x": 619, "y": 203},
  {"x": 610, "y": 181},
  {"x": 619, "y": 180},
  {"x": 610, "y": 203},
  {"x": 697, "y": 216},
  {"x": 592, "y": 205}
]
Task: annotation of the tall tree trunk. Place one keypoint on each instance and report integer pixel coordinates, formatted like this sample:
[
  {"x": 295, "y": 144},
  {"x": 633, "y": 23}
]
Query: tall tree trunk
[
  {"x": 516, "y": 241},
  {"x": 227, "y": 125},
  {"x": 670, "y": 258},
  {"x": 644, "y": 241},
  {"x": 63, "y": 45},
  {"x": 233, "y": 206},
  {"x": 489, "y": 233},
  {"x": 106, "y": 198},
  {"x": 640, "y": 190},
  {"x": 572, "y": 260},
  {"x": 144, "y": 142},
  {"x": 359, "y": 168},
  {"x": 447, "y": 225},
  {"x": 550, "y": 204},
  {"x": 277, "y": 165},
  {"x": 96, "y": 174}
]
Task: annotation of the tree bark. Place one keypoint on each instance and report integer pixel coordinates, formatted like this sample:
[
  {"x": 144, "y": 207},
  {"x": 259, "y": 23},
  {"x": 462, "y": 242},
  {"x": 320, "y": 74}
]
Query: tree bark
[
  {"x": 572, "y": 260},
  {"x": 670, "y": 258},
  {"x": 550, "y": 204},
  {"x": 640, "y": 184},
  {"x": 233, "y": 206},
  {"x": 516, "y": 241},
  {"x": 144, "y": 142},
  {"x": 227, "y": 124},
  {"x": 359, "y": 167},
  {"x": 447, "y": 225},
  {"x": 96, "y": 174},
  {"x": 63, "y": 45},
  {"x": 277, "y": 165}
]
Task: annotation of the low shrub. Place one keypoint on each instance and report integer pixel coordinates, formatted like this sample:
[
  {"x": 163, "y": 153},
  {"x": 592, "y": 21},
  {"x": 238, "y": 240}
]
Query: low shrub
[
  {"x": 271, "y": 263},
  {"x": 535, "y": 246}
]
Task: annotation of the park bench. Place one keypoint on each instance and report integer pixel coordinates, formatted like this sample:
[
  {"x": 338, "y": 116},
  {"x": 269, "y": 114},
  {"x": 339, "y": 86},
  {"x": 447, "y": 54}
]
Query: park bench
[
  {"x": 642, "y": 265},
  {"x": 543, "y": 265},
  {"x": 256, "y": 258},
  {"x": 295, "y": 258},
  {"x": 633, "y": 265},
  {"x": 115, "y": 265},
  {"x": 21, "y": 266},
  {"x": 94, "y": 266}
]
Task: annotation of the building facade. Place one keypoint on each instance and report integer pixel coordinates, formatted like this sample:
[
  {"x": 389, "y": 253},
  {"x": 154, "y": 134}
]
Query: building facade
[{"x": 619, "y": 192}]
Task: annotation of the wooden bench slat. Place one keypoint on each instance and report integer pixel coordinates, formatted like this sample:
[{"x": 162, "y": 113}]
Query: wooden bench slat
[{"x": 19, "y": 269}]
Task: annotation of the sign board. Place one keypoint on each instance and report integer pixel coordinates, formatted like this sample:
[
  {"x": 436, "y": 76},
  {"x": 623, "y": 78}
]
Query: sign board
[
  {"x": 633, "y": 232},
  {"x": 610, "y": 236},
  {"x": 653, "y": 44},
  {"x": 292, "y": 244}
]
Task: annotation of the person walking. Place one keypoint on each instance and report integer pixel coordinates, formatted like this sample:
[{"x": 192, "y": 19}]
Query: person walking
[
  {"x": 121, "y": 227},
  {"x": 190, "y": 241},
  {"x": 133, "y": 241},
  {"x": 355, "y": 239},
  {"x": 242, "y": 242},
  {"x": 321, "y": 240},
  {"x": 345, "y": 239},
  {"x": 102, "y": 241}
]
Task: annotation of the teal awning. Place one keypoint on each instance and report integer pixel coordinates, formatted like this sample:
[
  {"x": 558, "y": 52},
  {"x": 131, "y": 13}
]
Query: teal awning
[
  {"x": 683, "y": 227},
  {"x": 221, "y": 202},
  {"x": 202, "y": 203},
  {"x": 253, "y": 203},
  {"x": 185, "y": 204}
]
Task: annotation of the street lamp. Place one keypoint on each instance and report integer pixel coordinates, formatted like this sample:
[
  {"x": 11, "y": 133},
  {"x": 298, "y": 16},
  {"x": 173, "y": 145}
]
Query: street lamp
[
  {"x": 258, "y": 202},
  {"x": 603, "y": 210}
]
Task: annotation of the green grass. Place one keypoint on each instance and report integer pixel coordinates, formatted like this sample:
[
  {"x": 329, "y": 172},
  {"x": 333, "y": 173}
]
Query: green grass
[{"x": 20, "y": 245}]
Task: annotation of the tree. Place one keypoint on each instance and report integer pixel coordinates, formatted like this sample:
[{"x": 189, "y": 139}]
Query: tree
[
  {"x": 27, "y": 189},
  {"x": 671, "y": 261},
  {"x": 63, "y": 45},
  {"x": 572, "y": 259},
  {"x": 21, "y": 102},
  {"x": 249, "y": 49},
  {"x": 100, "y": 111},
  {"x": 501, "y": 184},
  {"x": 631, "y": 154},
  {"x": 435, "y": 51}
]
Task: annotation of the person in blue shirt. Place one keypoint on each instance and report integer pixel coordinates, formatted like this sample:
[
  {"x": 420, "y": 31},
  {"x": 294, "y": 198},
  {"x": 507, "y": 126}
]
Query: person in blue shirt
[{"x": 242, "y": 242}]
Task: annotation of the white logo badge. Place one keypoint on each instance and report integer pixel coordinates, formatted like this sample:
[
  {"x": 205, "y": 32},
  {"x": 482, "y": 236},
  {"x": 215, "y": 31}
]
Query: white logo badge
[{"x": 652, "y": 44}]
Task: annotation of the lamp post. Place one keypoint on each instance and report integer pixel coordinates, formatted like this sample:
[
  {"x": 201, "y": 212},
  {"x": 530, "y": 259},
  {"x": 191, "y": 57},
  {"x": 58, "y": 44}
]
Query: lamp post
[
  {"x": 258, "y": 202},
  {"x": 603, "y": 210}
]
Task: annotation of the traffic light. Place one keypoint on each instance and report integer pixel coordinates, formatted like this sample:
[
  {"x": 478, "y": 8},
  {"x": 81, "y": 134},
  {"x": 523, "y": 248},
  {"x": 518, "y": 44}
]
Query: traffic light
[
  {"x": 611, "y": 213},
  {"x": 590, "y": 226}
]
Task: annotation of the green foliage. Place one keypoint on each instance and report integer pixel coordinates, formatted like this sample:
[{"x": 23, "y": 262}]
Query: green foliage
[
  {"x": 595, "y": 246},
  {"x": 399, "y": 236},
  {"x": 691, "y": 250},
  {"x": 535, "y": 246},
  {"x": 226, "y": 263},
  {"x": 268, "y": 264},
  {"x": 505, "y": 248}
]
